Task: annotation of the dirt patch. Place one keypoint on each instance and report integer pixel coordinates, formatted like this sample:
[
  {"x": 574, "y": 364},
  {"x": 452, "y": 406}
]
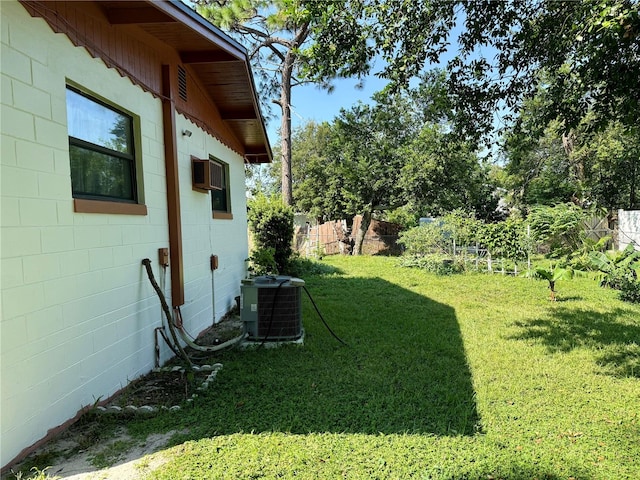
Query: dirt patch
[{"x": 119, "y": 458}]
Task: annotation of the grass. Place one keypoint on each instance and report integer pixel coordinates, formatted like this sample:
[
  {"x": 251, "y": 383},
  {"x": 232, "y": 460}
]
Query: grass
[{"x": 459, "y": 377}]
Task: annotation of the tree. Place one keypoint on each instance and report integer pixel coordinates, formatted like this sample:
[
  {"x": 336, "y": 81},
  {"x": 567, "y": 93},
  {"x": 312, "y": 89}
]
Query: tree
[
  {"x": 585, "y": 167},
  {"x": 589, "y": 51},
  {"x": 366, "y": 158},
  {"x": 442, "y": 173},
  {"x": 539, "y": 170},
  {"x": 280, "y": 38},
  {"x": 279, "y": 28},
  {"x": 612, "y": 163},
  {"x": 394, "y": 152},
  {"x": 311, "y": 143}
]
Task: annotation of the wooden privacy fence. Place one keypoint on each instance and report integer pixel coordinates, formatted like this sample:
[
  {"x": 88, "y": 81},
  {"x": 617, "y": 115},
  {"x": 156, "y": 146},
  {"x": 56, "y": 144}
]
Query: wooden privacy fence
[
  {"x": 596, "y": 228},
  {"x": 336, "y": 237}
]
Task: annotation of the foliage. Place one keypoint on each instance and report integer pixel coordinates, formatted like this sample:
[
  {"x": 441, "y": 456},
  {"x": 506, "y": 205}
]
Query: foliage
[
  {"x": 616, "y": 268},
  {"x": 391, "y": 154},
  {"x": 279, "y": 35},
  {"x": 302, "y": 267},
  {"x": 364, "y": 160},
  {"x": 462, "y": 227},
  {"x": 36, "y": 474},
  {"x": 271, "y": 222},
  {"x": 553, "y": 274},
  {"x": 580, "y": 260},
  {"x": 588, "y": 51},
  {"x": 405, "y": 216},
  {"x": 437, "y": 263},
  {"x": 263, "y": 262},
  {"x": 609, "y": 158},
  {"x": 441, "y": 173},
  {"x": 539, "y": 171},
  {"x": 630, "y": 291},
  {"x": 311, "y": 170},
  {"x": 548, "y": 166},
  {"x": 424, "y": 239},
  {"x": 506, "y": 239},
  {"x": 561, "y": 227}
]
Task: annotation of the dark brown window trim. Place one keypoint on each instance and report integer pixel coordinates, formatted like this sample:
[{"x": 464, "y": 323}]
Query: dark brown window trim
[
  {"x": 81, "y": 205},
  {"x": 222, "y": 215}
]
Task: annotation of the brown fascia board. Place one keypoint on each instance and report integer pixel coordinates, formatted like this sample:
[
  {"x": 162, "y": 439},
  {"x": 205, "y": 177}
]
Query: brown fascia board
[{"x": 193, "y": 20}]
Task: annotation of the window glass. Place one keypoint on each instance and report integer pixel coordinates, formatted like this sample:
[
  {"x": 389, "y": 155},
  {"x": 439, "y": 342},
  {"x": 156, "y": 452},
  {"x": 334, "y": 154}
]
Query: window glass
[
  {"x": 100, "y": 149},
  {"x": 220, "y": 198},
  {"x": 96, "y": 123},
  {"x": 97, "y": 174}
]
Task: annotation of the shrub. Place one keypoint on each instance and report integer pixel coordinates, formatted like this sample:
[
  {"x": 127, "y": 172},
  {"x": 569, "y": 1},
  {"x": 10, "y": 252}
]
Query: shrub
[
  {"x": 507, "y": 239},
  {"x": 301, "y": 267},
  {"x": 262, "y": 262},
  {"x": 630, "y": 291},
  {"x": 462, "y": 227},
  {"x": 561, "y": 227},
  {"x": 437, "y": 263},
  {"x": 616, "y": 267},
  {"x": 423, "y": 239},
  {"x": 271, "y": 222}
]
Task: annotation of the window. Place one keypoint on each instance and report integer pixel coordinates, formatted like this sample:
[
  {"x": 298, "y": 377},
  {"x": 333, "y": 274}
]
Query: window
[
  {"x": 101, "y": 150},
  {"x": 220, "y": 199}
]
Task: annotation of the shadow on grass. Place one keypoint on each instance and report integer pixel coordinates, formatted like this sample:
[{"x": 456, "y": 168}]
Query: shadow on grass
[
  {"x": 617, "y": 343},
  {"x": 404, "y": 371}
]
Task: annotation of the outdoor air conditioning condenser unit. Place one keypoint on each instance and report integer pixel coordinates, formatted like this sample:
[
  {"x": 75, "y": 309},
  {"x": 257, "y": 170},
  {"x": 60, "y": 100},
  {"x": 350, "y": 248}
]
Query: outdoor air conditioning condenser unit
[{"x": 271, "y": 308}]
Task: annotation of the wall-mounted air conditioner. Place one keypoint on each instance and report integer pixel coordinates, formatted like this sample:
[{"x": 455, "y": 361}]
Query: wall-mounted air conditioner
[
  {"x": 271, "y": 308},
  {"x": 207, "y": 174}
]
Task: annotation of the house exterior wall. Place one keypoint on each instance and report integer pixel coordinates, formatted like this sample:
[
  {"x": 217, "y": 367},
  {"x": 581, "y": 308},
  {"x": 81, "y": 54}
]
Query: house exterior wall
[
  {"x": 203, "y": 236},
  {"x": 629, "y": 228},
  {"x": 78, "y": 312}
]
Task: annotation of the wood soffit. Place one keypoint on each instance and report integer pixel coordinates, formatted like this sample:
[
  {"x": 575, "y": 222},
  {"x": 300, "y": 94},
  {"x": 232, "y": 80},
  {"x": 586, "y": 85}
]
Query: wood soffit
[{"x": 219, "y": 63}]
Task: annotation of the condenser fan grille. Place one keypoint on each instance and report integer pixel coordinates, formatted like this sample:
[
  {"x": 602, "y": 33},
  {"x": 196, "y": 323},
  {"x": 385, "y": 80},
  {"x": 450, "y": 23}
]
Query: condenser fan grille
[{"x": 281, "y": 319}]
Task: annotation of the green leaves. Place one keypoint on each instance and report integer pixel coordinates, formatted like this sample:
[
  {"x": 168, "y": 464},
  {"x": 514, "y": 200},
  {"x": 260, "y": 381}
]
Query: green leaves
[
  {"x": 616, "y": 268},
  {"x": 552, "y": 275},
  {"x": 271, "y": 222},
  {"x": 561, "y": 227}
]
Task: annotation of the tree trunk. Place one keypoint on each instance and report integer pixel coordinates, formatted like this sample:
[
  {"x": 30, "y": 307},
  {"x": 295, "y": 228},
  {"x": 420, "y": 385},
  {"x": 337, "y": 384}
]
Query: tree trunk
[
  {"x": 285, "y": 128},
  {"x": 362, "y": 231},
  {"x": 285, "y": 104}
]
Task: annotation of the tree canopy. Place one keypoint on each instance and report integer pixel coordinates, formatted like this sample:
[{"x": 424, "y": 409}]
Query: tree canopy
[
  {"x": 395, "y": 152},
  {"x": 589, "y": 52}
]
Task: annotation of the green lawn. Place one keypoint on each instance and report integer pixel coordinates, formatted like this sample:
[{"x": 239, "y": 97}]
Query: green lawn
[{"x": 460, "y": 377}]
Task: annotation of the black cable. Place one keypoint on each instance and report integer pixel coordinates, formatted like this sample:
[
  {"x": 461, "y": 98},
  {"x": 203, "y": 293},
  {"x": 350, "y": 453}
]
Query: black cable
[
  {"x": 322, "y": 318},
  {"x": 163, "y": 334}
]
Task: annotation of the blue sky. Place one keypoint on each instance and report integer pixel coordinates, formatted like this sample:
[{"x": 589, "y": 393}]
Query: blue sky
[{"x": 312, "y": 103}]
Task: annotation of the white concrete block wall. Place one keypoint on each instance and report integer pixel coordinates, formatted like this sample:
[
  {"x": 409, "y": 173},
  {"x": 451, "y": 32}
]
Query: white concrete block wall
[
  {"x": 78, "y": 311},
  {"x": 629, "y": 228},
  {"x": 203, "y": 237}
]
